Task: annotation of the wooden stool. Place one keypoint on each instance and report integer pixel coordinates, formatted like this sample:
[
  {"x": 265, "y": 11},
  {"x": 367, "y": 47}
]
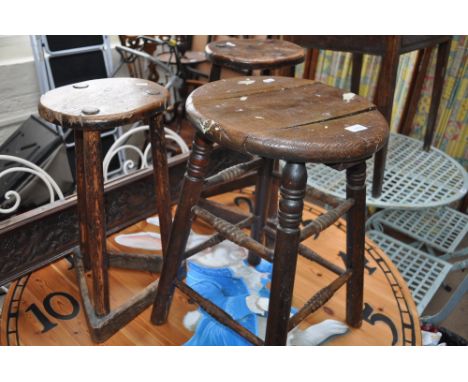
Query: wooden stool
[
  {"x": 390, "y": 48},
  {"x": 297, "y": 121},
  {"x": 90, "y": 107},
  {"x": 245, "y": 55}
]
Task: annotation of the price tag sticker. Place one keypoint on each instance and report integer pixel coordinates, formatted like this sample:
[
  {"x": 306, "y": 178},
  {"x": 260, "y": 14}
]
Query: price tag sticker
[{"x": 356, "y": 128}]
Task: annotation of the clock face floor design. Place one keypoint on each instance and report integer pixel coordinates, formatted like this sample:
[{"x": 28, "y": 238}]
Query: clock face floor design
[{"x": 44, "y": 307}]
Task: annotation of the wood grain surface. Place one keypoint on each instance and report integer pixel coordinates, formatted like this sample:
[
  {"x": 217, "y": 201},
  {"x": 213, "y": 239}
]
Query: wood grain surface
[{"x": 254, "y": 53}]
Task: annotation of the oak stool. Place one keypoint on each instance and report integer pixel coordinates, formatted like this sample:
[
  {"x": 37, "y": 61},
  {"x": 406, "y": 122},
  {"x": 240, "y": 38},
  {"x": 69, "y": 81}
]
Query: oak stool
[
  {"x": 89, "y": 108},
  {"x": 296, "y": 121},
  {"x": 245, "y": 55}
]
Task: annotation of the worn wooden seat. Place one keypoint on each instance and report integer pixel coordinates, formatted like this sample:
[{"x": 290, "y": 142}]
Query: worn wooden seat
[
  {"x": 287, "y": 118},
  {"x": 246, "y": 55},
  {"x": 104, "y": 103},
  {"x": 89, "y": 107},
  {"x": 254, "y": 53}
]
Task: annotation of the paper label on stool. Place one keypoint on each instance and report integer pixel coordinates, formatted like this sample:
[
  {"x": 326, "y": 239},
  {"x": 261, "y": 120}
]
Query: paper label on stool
[{"x": 355, "y": 128}]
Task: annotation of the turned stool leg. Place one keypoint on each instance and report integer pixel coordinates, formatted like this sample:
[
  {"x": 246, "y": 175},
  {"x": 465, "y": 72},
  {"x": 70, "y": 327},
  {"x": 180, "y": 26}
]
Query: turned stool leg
[
  {"x": 293, "y": 186},
  {"x": 272, "y": 206},
  {"x": 96, "y": 221},
  {"x": 262, "y": 198},
  {"x": 355, "y": 236},
  {"x": 161, "y": 177},
  {"x": 191, "y": 190}
]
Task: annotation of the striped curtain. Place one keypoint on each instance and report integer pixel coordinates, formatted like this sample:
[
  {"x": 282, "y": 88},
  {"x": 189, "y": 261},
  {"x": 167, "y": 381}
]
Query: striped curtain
[
  {"x": 334, "y": 68},
  {"x": 452, "y": 120}
]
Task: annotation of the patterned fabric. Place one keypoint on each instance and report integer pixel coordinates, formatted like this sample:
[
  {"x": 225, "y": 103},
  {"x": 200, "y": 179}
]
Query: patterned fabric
[
  {"x": 452, "y": 120},
  {"x": 334, "y": 68}
]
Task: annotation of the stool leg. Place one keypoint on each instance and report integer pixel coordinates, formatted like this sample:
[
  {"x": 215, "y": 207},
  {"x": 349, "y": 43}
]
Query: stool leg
[
  {"x": 215, "y": 73},
  {"x": 161, "y": 177},
  {"x": 262, "y": 192},
  {"x": 384, "y": 102},
  {"x": 355, "y": 237},
  {"x": 443, "y": 52},
  {"x": 81, "y": 193},
  {"x": 191, "y": 190},
  {"x": 273, "y": 205},
  {"x": 96, "y": 223},
  {"x": 356, "y": 69},
  {"x": 293, "y": 186}
]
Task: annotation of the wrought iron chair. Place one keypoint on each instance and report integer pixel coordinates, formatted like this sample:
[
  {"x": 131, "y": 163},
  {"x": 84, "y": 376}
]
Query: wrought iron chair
[
  {"x": 122, "y": 144},
  {"x": 162, "y": 59},
  {"x": 441, "y": 229}
]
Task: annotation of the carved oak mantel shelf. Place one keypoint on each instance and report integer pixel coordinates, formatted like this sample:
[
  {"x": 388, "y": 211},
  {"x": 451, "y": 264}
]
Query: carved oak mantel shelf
[{"x": 38, "y": 237}]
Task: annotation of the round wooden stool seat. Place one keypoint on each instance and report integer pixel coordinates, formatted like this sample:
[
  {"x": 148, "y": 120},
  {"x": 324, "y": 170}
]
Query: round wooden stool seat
[
  {"x": 103, "y": 103},
  {"x": 189, "y": 58},
  {"x": 254, "y": 53},
  {"x": 287, "y": 118}
]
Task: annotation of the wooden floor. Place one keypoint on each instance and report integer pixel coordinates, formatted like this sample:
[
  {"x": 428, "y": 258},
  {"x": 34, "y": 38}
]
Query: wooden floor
[{"x": 44, "y": 308}]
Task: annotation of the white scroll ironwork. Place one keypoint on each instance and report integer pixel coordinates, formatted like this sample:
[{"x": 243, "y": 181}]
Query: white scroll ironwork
[
  {"x": 30, "y": 168},
  {"x": 121, "y": 145}
]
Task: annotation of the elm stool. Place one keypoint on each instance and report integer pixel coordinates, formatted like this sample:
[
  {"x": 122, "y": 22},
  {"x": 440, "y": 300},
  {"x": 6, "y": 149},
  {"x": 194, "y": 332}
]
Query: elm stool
[
  {"x": 296, "y": 121},
  {"x": 89, "y": 108},
  {"x": 246, "y": 55}
]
